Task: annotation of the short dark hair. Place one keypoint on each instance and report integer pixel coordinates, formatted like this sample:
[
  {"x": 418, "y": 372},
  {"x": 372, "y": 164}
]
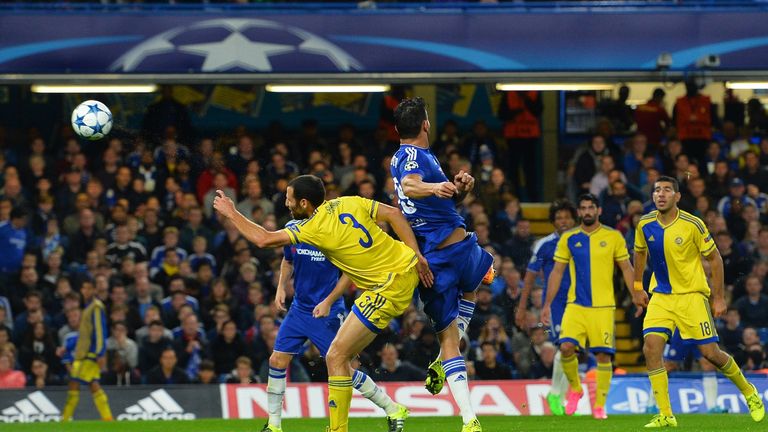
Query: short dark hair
[
  {"x": 668, "y": 179},
  {"x": 19, "y": 213},
  {"x": 589, "y": 197},
  {"x": 562, "y": 205},
  {"x": 409, "y": 116},
  {"x": 308, "y": 187}
]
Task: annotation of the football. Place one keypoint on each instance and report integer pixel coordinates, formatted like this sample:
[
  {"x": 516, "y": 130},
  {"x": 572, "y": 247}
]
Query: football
[{"x": 92, "y": 120}]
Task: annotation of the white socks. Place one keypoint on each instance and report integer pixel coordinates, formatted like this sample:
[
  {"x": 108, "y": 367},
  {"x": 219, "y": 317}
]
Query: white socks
[
  {"x": 368, "y": 388},
  {"x": 710, "y": 389},
  {"x": 456, "y": 376},
  {"x": 559, "y": 382},
  {"x": 275, "y": 392}
]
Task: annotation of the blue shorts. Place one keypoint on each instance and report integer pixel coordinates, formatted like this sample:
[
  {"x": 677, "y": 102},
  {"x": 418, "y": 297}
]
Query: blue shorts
[
  {"x": 458, "y": 268},
  {"x": 298, "y": 326},
  {"x": 677, "y": 351},
  {"x": 557, "y": 319}
]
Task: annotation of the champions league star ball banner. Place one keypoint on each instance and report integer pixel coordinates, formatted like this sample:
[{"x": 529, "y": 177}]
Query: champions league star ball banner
[
  {"x": 438, "y": 40},
  {"x": 628, "y": 395}
]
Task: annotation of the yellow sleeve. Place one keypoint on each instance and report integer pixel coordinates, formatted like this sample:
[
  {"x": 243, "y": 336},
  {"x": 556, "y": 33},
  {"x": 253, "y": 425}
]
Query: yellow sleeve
[
  {"x": 304, "y": 231},
  {"x": 620, "y": 252},
  {"x": 705, "y": 242},
  {"x": 367, "y": 206},
  {"x": 562, "y": 252},
  {"x": 640, "y": 244}
]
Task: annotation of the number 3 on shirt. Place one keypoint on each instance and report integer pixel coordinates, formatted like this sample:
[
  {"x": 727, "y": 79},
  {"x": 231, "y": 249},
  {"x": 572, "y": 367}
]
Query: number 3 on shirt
[{"x": 368, "y": 241}]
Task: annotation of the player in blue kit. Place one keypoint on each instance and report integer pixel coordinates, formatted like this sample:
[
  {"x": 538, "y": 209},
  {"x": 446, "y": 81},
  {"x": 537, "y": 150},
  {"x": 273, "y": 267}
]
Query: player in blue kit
[
  {"x": 316, "y": 313},
  {"x": 563, "y": 215},
  {"x": 428, "y": 200}
]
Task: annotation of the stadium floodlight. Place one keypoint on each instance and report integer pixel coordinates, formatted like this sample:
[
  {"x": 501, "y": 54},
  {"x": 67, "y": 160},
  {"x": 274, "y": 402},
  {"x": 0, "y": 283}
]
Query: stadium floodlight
[
  {"x": 94, "y": 88},
  {"x": 555, "y": 86},
  {"x": 747, "y": 85},
  {"x": 327, "y": 88}
]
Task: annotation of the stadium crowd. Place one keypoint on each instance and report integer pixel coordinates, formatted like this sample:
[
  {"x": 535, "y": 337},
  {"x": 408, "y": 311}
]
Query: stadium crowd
[{"x": 190, "y": 300}]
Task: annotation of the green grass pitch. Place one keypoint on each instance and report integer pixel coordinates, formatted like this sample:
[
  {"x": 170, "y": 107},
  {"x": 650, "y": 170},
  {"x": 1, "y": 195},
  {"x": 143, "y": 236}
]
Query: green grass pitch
[{"x": 719, "y": 423}]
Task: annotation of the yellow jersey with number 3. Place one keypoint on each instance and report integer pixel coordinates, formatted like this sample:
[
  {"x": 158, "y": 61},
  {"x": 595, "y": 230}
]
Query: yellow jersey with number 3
[{"x": 345, "y": 231}]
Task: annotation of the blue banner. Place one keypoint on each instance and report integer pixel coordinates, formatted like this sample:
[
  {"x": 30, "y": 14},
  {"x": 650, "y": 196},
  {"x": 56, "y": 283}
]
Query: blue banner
[
  {"x": 630, "y": 395},
  {"x": 256, "y": 41}
]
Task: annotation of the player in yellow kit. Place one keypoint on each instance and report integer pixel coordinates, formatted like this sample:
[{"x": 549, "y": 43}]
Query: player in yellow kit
[
  {"x": 89, "y": 351},
  {"x": 345, "y": 231},
  {"x": 589, "y": 252},
  {"x": 675, "y": 241}
]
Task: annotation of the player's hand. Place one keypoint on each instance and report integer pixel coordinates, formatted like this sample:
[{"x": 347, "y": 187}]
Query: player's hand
[
  {"x": 464, "y": 182},
  {"x": 444, "y": 190},
  {"x": 546, "y": 315},
  {"x": 718, "y": 307},
  {"x": 520, "y": 317},
  {"x": 224, "y": 205},
  {"x": 640, "y": 300},
  {"x": 425, "y": 274},
  {"x": 280, "y": 299},
  {"x": 321, "y": 310}
]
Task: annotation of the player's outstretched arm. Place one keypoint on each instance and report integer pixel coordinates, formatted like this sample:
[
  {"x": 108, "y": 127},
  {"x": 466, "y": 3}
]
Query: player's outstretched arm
[
  {"x": 553, "y": 286},
  {"x": 324, "y": 307},
  {"x": 253, "y": 232},
  {"x": 415, "y": 187},
  {"x": 717, "y": 283},
  {"x": 402, "y": 228},
  {"x": 522, "y": 305}
]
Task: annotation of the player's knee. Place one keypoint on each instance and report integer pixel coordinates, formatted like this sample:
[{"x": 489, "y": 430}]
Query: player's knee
[
  {"x": 652, "y": 347},
  {"x": 335, "y": 357},
  {"x": 710, "y": 352},
  {"x": 279, "y": 360}
]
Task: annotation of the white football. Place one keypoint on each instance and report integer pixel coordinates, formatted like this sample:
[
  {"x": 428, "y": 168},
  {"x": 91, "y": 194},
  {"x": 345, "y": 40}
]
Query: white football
[{"x": 92, "y": 120}]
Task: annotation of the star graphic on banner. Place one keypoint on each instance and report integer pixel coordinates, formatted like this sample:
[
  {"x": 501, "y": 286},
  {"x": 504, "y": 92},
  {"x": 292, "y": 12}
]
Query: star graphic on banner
[{"x": 237, "y": 51}]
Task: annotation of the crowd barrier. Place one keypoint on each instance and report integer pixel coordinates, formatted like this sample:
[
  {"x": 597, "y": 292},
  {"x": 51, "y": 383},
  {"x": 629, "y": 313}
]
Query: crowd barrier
[{"x": 628, "y": 395}]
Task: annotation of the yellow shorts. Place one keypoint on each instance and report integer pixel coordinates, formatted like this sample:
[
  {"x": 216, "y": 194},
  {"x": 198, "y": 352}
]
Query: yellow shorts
[
  {"x": 86, "y": 371},
  {"x": 689, "y": 313},
  {"x": 582, "y": 325},
  {"x": 377, "y": 308}
]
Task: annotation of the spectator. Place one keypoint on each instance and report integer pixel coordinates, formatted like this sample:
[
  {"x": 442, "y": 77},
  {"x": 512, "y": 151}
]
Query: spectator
[
  {"x": 490, "y": 368},
  {"x": 190, "y": 344},
  {"x": 206, "y": 374},
  {"x": 730, "y": 330},
  {"x": 520, "y": 246},
  {"x": 652, "y": 119},
  {"x": 124, "y": 346},
  {"x": 13, "y": 241},
  {"x": 39, "y": 376},
  {"x": 167, "y": 372},
  {"x": 227, "y": 348},
  {"x": 735, "y": 200},
  {"x": 254, "y": 197},
  {"x": 153, "y": 345},
  {"x": 170, "y": 242},
  {"x": 38, "y": 341},
  {"x": 484, "y": 309},
  {"x": 392, "y": 369},
  {"x": 753, "y": 308},
  {"x": 422, "y": 351},
  {"x": 243, "y": 372},
  {"x": 10, "y": 378},
  {"x": 542, "y": 366},
  {"x": 694, "y": 118}
]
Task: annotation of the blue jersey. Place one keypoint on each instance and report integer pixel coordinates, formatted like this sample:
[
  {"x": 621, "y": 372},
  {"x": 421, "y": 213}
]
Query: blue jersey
[
  {"x": 433, "y": 219},
  {"x": 12, "y": 243},
  {"x": 314, "y": 277},
  {"x": 543, "y": 259}
]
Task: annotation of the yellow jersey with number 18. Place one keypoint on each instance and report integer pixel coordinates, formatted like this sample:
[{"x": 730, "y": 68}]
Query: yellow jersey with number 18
[{"x": 345, "y": 231}]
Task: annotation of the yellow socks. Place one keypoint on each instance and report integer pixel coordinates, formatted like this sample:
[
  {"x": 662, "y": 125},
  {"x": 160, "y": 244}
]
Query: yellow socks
[
  {"x": 733, "y": 373},
  {"x": 571, "y": 370},
  {"x": 339, "y": 399},
  {"x": 102, "y": 405},
  {"x": 73, "y": 398},
  {"x": 604, "y": 375},
  {"x": 660, "y": 386}
]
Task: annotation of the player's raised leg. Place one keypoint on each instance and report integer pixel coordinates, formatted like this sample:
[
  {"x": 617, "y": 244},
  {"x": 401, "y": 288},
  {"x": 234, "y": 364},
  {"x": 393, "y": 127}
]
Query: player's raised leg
[{"x": 730, "y": 369}]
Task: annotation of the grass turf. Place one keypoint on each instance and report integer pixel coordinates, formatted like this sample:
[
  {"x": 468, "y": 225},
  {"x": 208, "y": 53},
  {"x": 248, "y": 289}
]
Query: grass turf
[{"x": 711, "y": 422}]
